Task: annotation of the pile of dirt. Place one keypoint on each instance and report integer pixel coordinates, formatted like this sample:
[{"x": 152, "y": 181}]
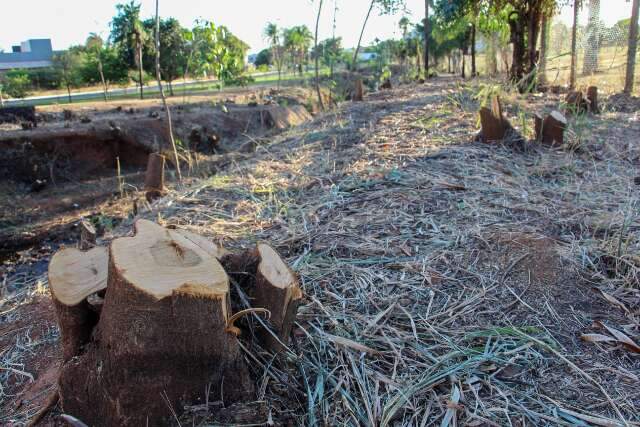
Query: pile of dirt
[{"x": 623, "y": 103}]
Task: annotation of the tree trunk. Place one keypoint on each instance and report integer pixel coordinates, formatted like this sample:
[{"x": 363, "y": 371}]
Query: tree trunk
[
  {"x": 464, "y": 65},
  {"x": 69, "y": 93},
  {"x": 427, "y": 31},
  {"x": 517, "y": 38},
  {"x": 104, "y": 83},
  {"x": 449, "y": 63},
  {"x": 535, "y": 15},
  {"x": 473, "y": 50},
  {"x": 139, "y": 53},
  {"x": 542, "y": 64},
  {"x": 354, "y": 62},
  {"x": 591, "y": 51},
  {"x": 574, "y": 29},
  {"x": 633, "y": 46},
  {"x": 317, "y": 62},
  {"x": 164, "y": 100}
]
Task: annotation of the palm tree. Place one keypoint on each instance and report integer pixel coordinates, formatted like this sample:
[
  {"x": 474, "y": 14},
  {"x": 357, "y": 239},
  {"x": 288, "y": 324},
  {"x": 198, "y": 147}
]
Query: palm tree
[
  {"x": 127, "y": 32},
  {"x": 317, "y": 59},
  {"x": 272, "y": 33},
  {"x": 297, "y": 41}
]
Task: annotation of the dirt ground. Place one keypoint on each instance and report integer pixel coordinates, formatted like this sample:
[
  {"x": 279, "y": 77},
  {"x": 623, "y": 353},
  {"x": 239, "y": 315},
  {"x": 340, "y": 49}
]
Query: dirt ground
[{"x": 446, "y": 281}]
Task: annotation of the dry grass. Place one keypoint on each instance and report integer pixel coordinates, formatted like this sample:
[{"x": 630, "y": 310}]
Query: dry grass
[{"x": 446, "y": 281}]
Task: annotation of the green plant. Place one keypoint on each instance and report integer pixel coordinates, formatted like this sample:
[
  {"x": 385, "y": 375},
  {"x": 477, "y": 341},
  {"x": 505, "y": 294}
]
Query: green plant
[{"x": 17, "y": 84}]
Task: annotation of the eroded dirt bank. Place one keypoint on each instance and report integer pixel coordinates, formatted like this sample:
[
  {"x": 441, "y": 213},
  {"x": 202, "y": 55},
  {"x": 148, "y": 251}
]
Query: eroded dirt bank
[{"x": 77, "y": 159}]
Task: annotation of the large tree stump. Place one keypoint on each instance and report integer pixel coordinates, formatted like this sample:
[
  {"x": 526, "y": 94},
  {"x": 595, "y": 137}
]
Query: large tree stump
[
  {"x": 550, "y": 131},
  {"x": 162, "y": 339},
  {"x": 73, "y": 276}
]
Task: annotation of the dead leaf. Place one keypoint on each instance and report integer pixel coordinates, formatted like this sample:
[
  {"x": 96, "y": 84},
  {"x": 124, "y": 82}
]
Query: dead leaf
[
  {"x": 346, "y": 342},
  {"x": 613, "y": 300},
  {"x": 620, "y": 337},
  {"x": 596, "y": 338}
]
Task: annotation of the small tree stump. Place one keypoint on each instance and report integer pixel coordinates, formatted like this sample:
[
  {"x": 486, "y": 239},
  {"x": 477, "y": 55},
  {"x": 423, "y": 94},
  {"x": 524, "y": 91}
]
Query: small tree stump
[
  {"x": 270, "y": 284},
  {"x": 87, "y": 235},
  {"x": 494, "y": 125},
  {"x": 537, "y": 125},
  {"x": 575, "y": 102},
  {"x": 154, "y": 176},
  {"x": 592, "y": 99},
  {"x": 551, "y": 130},
  {"x": 162, "y": 338},
  {"x": 73, "y": 276},
  {"x": 358, "y": 92},
  {"x": 277, "y": 290}
]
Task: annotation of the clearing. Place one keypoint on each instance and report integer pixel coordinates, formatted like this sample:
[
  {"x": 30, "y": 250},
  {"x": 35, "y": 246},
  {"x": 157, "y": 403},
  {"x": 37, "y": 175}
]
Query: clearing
[{"x": 443, "y": 279}]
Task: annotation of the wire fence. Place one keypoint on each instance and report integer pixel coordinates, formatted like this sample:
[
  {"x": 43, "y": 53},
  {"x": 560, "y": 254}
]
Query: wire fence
[{"x": 602, "y": 37}]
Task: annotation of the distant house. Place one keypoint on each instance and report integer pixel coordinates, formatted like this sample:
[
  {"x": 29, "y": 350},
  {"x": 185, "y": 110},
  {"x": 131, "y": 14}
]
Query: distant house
[
  {"x": 367, "y": 56},
  {"x": 34, "y": 53}
]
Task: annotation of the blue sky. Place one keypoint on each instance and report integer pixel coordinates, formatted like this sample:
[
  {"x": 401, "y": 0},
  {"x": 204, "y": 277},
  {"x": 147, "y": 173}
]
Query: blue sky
[{"x": 68, "y": 22}]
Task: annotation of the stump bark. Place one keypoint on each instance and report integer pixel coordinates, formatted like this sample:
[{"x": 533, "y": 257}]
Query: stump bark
[{"x": 161, "y": 340}]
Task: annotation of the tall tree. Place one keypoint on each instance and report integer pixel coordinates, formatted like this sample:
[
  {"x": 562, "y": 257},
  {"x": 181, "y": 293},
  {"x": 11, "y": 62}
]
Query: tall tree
[
  {"x": 173, "y": 50},
  {"x": 167, "y": 111},
  {"x": 317, "y": 59},
  {"x": 297, "y": 41},
  {"x": 574, "y": 30},
  {"x": 427, "y": 32},
  {"x": 94, "y": 45},
  {"x": 633, "y": 46},
  {"x": 544, "y": 39},
  {"x": 385, "y": 7},
  {"x": 272, "y": 33},
  {"x": 128, "y": 34},
  {"x": 67, "y": 63}
]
